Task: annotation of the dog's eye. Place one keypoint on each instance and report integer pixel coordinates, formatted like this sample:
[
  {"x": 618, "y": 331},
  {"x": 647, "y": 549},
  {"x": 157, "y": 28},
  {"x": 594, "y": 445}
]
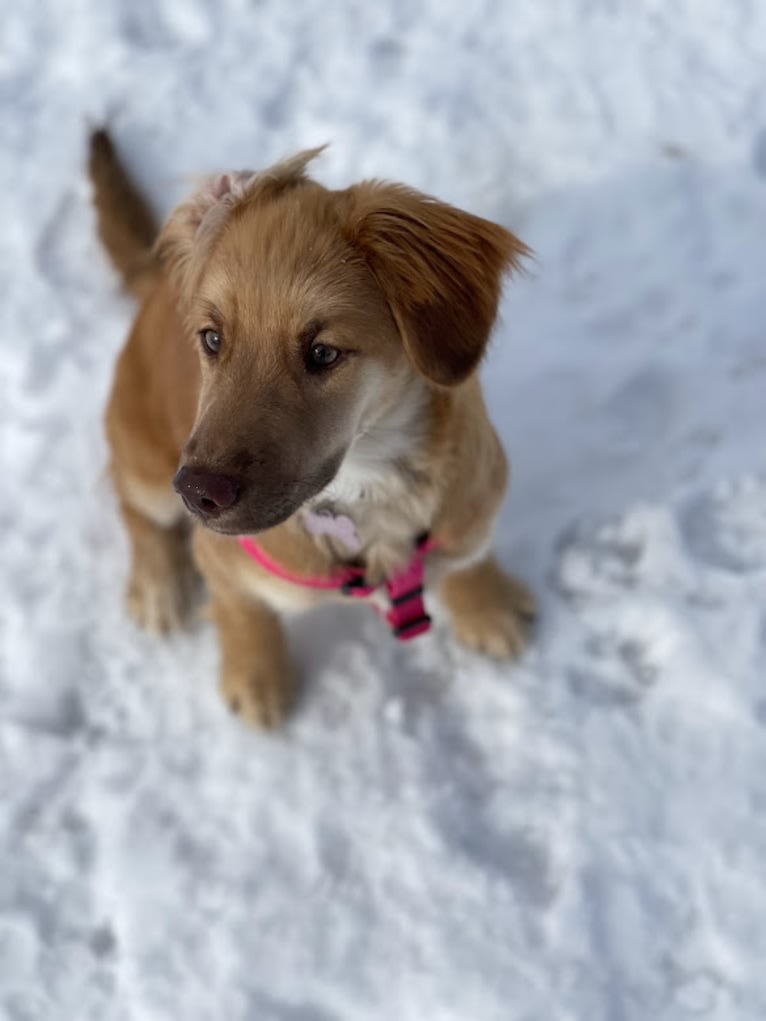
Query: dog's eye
[
  {"x": 211, "y": 341},
  {"x": 322, "y": 356}
]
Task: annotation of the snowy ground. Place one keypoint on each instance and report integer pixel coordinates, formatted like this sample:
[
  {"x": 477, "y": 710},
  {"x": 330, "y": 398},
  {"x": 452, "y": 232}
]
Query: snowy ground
[{"x": 433, "y": 838}]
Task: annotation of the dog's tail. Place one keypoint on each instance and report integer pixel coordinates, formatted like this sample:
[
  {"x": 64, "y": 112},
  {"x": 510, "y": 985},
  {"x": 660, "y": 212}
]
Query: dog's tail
[{"x": 126, "y": 225}]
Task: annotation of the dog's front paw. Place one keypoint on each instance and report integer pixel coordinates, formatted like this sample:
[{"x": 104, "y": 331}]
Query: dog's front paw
[
  {"x": 502, "y": 633},
  {"x": 491, "y": 611},
  {"x": 262, "y": 696}
]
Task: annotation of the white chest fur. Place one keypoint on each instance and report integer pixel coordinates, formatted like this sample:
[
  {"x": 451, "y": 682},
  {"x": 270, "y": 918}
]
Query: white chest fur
[{"x": 383, "y": 485}]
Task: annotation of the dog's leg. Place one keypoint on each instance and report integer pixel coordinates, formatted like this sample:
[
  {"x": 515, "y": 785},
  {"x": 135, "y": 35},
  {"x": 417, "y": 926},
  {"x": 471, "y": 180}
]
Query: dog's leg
[
  {"x": 491, "y": 611},
  {"x": 162, "y": 578},
  {"x": 257, "y": 676}
]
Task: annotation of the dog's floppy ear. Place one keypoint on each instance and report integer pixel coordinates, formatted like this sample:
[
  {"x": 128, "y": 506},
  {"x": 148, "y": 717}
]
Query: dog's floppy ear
[
  {"x": 192, "y": 225},
  {"x": 441, "y": 270}
]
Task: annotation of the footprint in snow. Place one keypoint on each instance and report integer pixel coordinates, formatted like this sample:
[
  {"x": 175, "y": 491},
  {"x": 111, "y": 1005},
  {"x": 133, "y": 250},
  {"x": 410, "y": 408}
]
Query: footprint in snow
[
  {"x": 726, "y": 529},
  {"x": 622, "y": 579}
]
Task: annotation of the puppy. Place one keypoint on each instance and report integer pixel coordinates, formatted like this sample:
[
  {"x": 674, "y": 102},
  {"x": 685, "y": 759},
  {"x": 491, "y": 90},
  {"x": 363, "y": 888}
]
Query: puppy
[{"x": 301, "y": 384}]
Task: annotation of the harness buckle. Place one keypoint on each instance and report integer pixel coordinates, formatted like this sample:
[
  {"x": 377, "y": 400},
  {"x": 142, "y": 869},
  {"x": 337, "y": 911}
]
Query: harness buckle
[{"x": 357, "y": 586}]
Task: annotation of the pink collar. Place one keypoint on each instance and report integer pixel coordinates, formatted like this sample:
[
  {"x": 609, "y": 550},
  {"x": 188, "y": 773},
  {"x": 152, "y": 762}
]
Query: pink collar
[{"x": 407, "y": 615}]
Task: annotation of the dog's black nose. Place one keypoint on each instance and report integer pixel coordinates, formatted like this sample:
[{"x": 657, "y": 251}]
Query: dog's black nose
[{"x": 206, "y": 493}]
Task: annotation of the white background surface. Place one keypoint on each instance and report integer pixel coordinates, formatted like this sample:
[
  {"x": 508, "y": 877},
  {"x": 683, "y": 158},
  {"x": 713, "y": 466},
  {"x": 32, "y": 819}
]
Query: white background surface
[{"x": 581, "y": 838}]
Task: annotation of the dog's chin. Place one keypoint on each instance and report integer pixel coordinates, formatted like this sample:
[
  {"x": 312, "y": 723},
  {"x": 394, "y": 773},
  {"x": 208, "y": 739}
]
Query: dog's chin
[{"x": 242, "y": 522}]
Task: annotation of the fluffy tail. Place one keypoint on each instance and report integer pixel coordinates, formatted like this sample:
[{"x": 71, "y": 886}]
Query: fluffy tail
[{"x": 126, "y": 225}]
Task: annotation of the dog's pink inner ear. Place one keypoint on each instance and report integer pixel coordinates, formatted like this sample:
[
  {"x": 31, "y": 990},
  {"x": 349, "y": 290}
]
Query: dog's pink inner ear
[
  {"x": 232, "y": 183},
  {"x": 441, "y": 271},
  {"x": 217, "y": 195},
  {"x": 221, "y": 192}
]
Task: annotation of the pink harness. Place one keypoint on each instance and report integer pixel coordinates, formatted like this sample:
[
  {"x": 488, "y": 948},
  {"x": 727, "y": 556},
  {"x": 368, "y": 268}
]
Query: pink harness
[{"x": 407, "y": 616}]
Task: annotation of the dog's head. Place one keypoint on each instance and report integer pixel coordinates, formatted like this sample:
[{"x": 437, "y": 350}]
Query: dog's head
[{"x": 319, "y": 315}]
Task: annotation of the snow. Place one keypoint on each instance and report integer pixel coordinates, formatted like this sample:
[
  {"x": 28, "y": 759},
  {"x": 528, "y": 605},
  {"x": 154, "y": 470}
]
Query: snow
[{"x": 433, "y": 836}]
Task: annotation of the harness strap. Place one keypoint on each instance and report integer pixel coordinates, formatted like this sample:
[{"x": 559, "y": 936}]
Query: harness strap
[
  {"x": 407, "y": 616},
  {"x": 348, "y": 578}
]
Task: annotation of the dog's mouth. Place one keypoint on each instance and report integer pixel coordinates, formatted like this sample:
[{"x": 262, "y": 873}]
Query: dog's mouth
[
  {"x": 233, "y": 505},
  {"x": 239, "y": 522}
]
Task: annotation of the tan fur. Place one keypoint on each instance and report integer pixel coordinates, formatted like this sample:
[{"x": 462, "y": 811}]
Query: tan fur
[
  {"x": 491, "y": 612},
  {"x": 161, "y": 585},
  {"x": 396, "y": 436}
]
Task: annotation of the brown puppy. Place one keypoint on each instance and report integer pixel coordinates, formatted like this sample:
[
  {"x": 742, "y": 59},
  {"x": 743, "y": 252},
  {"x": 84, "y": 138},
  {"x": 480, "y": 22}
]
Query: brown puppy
[{"x": 304, "y": 353}]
